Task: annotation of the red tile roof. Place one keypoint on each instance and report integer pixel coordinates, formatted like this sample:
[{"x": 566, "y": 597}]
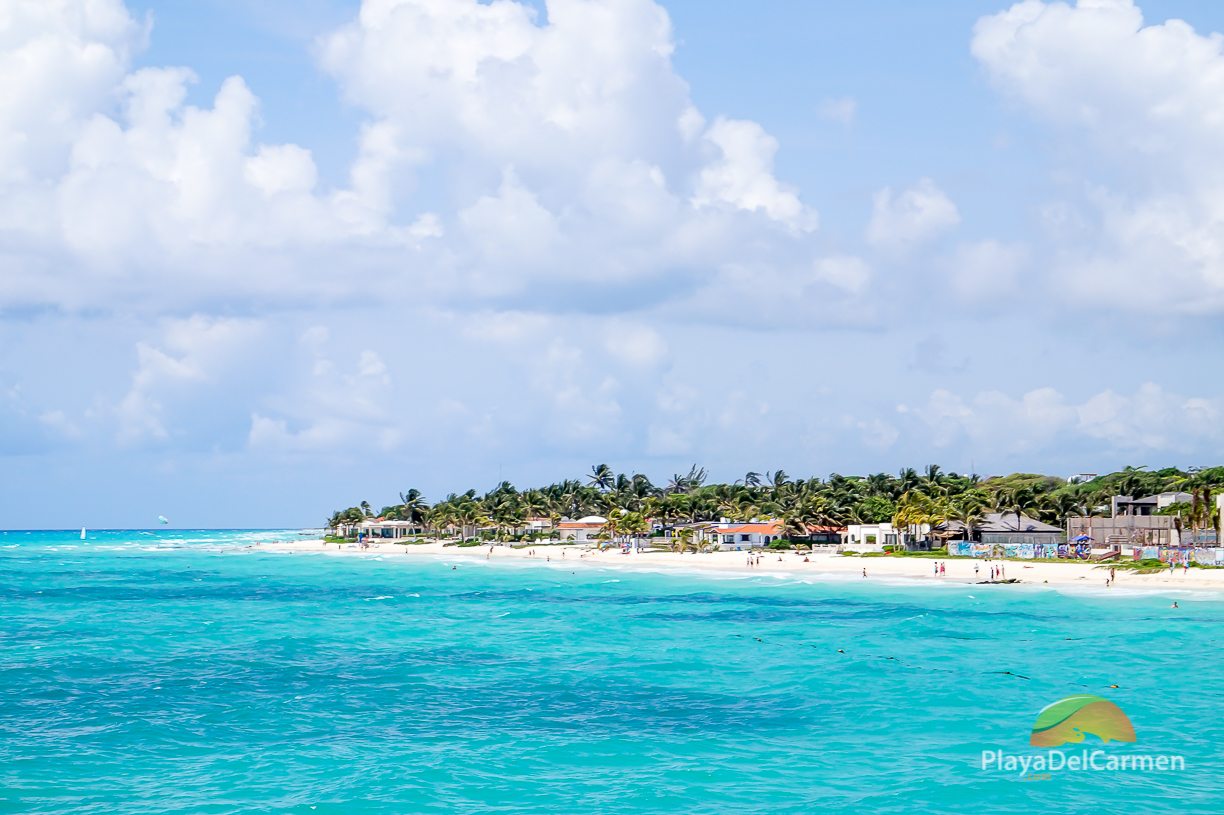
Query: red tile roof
[{"x": 745, "y": 529}]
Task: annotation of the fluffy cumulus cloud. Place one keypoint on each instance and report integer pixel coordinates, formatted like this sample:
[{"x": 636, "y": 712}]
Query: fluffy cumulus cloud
[
  {"x": 1151, "y": 419},
  {"x": 910, "y": 216},
  {"x": 1138, "y": 105},
  {"x": 189, "y": 363},
  {"x": 503, "y": 155}
]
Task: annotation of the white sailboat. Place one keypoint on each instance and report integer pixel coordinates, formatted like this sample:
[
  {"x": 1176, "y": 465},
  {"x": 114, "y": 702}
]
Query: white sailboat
[{"x": 82, "y": 533}]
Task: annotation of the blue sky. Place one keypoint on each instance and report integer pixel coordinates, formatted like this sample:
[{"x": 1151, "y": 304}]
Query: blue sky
[{"x": 262, "y": 260}]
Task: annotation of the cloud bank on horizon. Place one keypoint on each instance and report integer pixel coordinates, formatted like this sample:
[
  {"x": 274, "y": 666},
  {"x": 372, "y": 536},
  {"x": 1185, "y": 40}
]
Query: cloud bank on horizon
[{"x": 543, "y": 252}]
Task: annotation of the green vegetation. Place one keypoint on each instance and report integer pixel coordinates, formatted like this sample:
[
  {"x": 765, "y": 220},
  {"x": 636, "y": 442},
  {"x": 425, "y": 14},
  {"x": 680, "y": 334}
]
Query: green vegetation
[
  {"x": 1145, "y": 566},
  {"x": 907, "y": 499}
]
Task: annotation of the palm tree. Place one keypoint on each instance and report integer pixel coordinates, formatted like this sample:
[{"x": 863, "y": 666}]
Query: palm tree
[
  {"x": 879, "y": 484},
  {"x": 969, "y": 508},
  {"x": 907, "y": 480},
  {"x": 413, "y": 506},
  {"x": 752, "y": 479},
  {"x": 1017, "y": 501},
  {"x": 633, "y": 524},
  {"x": 601, "y": 477},
  {"x": 933, "y": 479},
  {"x": 696, "y": 477},
  {"x": 612, "y": 527},
  {"x": 688, "y": 482},
  {"x": 683, "y": 540},
  {"x": 1132, "y": 481}
]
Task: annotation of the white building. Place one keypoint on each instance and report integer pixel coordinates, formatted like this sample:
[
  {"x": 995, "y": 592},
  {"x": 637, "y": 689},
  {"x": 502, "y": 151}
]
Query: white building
[
  {"x": 739, "y": 536},
  {"x": 870, "y": 537},
  {"x": 385, "y": 530}
]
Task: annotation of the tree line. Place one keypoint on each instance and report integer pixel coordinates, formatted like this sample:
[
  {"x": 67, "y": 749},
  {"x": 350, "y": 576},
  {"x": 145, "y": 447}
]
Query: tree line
[{"x": 909, "y": 498}]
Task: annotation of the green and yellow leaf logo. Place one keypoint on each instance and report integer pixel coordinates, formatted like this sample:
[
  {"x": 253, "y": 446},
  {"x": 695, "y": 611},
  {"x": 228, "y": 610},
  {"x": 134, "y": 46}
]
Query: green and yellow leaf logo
[{"x": 1071, "y": 719}]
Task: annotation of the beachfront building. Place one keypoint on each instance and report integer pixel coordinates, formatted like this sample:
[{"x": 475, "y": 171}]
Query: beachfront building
[
  {"x": 871, "y": 537},
  {"x": 583, "y": 530},
  {"x": 383, "y": 529},
  {"x": 737, "y": 535},
  {"x": 1125, "y": 532},
  {"x": 1125, "y": 505},
  {"x": 539, "y": 525},
  {"x": 1003, "y": 528},
  {"x": 821, "y": 535},
  {"x": 1134, "y": 523}
]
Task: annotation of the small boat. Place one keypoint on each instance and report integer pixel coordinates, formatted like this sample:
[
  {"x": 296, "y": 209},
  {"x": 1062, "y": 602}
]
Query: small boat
[{"x": 82, "y": 533}]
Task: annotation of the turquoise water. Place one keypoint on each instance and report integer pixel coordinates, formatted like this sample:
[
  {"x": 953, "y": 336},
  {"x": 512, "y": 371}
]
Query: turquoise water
[{"x": 183, "y": 672}]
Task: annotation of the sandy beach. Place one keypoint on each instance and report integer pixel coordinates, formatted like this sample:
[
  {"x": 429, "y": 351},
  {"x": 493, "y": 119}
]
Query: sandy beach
[{"x": 818, "y": 564}]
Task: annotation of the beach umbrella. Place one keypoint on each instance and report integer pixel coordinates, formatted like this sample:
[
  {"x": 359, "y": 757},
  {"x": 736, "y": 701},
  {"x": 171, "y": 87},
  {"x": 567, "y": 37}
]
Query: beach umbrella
[{"x": 1081, "y": 539}]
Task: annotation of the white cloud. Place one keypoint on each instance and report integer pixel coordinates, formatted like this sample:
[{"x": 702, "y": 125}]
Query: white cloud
[
  {"x": 914, "y": 215},
  {"x": 1141, "y": 104},
  {"x": 848, "y": 273},
  {"x": 634, "y": 344},
  {"x": 742, "y": 176},
  {"x": 554, "y": 152},
  {"x": 1149, "y": 420},
  {"x": 60, "y": 61},
  {"x": 190, "y": 355}
]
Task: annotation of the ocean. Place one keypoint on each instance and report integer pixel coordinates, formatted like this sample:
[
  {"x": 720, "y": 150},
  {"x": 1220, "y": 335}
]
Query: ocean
[{"x": 173, "y": 671}]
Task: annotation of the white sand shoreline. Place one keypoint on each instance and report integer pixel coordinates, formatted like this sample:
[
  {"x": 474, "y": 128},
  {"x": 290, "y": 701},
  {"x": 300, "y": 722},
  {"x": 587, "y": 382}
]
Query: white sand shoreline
[{"x": 820, "y": 566}]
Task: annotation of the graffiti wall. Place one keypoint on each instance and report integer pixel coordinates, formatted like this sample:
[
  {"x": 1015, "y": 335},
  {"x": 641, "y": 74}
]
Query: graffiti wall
[{"x": 1021, "y": 551}]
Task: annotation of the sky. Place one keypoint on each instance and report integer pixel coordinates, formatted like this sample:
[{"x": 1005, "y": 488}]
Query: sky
[{"x": 263, "y": 260}]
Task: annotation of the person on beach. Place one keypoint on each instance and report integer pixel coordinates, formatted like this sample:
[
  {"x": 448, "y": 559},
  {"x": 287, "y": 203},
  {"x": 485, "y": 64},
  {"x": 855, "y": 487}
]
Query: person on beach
[
  {"x": 976, "y": 567},
  {"x": 937, "y": 568},
  {"x": 864, "y": 571},
  {"x": 943, "y": 569}
]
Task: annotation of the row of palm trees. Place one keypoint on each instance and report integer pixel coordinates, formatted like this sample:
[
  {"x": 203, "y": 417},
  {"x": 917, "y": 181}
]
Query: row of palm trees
[{"x": 910, "y": 498}]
